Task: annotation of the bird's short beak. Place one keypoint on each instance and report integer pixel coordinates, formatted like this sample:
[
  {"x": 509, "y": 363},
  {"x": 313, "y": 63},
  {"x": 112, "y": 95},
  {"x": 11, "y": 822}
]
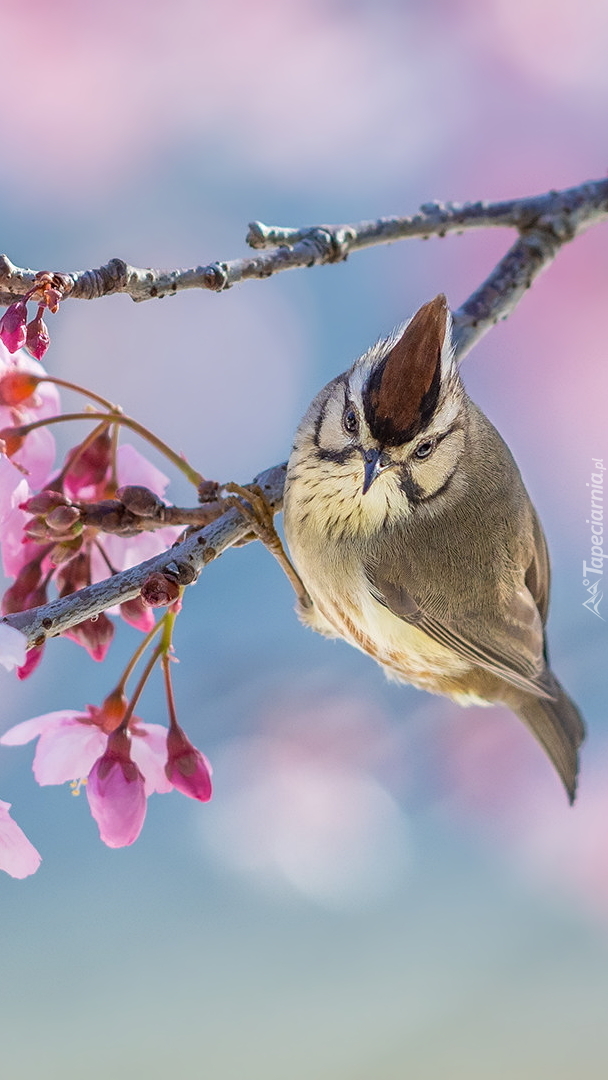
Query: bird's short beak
[{"x": 374, "y": 464}]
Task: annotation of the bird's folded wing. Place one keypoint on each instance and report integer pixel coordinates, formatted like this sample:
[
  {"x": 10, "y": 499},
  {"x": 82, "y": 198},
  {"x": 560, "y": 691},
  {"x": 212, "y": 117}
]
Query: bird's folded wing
[{"x": 511, "y": 647}]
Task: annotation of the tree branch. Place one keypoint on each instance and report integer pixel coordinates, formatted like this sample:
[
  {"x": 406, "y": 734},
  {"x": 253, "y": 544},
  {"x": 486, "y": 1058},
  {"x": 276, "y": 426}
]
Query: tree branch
[
  {"x": 559, "y": 215},
  {"x": 112, "y": 516},
  {"x": 545, "y": 223},
  {"x": 184, "y": 561}
]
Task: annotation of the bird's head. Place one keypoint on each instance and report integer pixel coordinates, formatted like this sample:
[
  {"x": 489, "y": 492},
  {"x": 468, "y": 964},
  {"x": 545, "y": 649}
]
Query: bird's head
[{"x": 386, "y": 436}]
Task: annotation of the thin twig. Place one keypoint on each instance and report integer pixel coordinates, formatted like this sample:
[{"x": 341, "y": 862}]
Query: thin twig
[
  {"x": 112, "y": 516},
  {"x": 558, "y": 214}
]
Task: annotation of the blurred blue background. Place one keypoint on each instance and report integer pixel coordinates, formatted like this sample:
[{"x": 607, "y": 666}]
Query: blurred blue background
[{"x": 384, "y": 884}]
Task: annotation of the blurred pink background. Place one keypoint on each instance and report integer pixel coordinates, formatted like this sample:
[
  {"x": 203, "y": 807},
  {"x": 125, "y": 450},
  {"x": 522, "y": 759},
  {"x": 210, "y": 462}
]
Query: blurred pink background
[{"x": 384, "y": 885}]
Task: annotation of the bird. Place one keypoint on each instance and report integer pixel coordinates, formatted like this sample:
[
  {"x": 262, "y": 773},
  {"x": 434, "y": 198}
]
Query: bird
[{"x": 415, "y": 540}]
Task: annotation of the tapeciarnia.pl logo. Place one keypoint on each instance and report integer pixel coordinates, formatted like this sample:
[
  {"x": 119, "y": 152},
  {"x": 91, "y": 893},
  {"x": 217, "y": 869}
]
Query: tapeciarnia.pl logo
[{"x": 593, "y": 571}]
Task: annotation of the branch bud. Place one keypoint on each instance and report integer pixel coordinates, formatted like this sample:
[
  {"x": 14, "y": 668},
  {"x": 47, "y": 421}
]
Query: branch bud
[
  {"x": 140, "y": 500},
  {"x": 158, "y": 590},
  {"x": 208, "y": 491},
  {"x": 44, "y": 502},
  {"x": 63, "y": 518}
]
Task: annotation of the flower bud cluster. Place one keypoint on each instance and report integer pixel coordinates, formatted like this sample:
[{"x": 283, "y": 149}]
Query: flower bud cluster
[
  {"x": 15, "y": 330},
  {"x": 56, "y": 521},
  {"x": 121, "y": 765},
  {"x": 52, "y": 541}
]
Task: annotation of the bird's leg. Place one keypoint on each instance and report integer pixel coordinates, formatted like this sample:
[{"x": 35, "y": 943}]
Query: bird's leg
[{"x": 251, "y": 502}]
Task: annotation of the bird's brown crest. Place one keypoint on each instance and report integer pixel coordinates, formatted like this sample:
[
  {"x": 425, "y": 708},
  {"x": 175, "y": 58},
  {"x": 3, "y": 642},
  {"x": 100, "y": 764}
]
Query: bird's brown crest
[{"x": 402, "y": 392}]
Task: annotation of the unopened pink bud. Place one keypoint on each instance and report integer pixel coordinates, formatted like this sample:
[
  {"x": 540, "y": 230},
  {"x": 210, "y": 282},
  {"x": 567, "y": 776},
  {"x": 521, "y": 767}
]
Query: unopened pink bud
[
  {"x": 44, "y": 501},
  {"x": 63, "y": 518},
  {"x": 90, "y": 467},
  {"x": 36, "y": 529},
  {"x": 65, "y": 550},
  {"x": 186, "y": 768},
  {"x": 116, "y": 793},
  {"x": 37, "y": 338},
  {"x": 12, "y": 326},
  {"x": 139, "y": 500}
]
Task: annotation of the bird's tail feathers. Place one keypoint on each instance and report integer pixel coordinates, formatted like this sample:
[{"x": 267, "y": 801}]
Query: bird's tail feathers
[{"x": 558, "y": 726}]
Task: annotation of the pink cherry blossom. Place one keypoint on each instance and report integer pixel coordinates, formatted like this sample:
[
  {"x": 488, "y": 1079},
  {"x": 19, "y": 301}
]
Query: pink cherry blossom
[
  {"x": 69, "y": 743},
  {"x": 187, "y": 769},
  {"x": 35, "y": 456},
  {"x": 13, "y": 487},
  {"x": 44, "y": 401},
  {"x": 16, "y": 551},
  {"x": 116, "y": 793},
  {"x": 18, "y": 857},
  {"x": 31, "y": 462}
]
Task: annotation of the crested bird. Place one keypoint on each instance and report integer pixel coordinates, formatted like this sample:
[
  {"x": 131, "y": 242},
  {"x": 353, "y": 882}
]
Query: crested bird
[{"x": 415, "y": 539}]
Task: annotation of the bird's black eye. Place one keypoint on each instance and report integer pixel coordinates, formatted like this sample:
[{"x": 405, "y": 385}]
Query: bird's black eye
[
  {"x": 424, "y": 449},
  {"x": 350, "y": 420}
]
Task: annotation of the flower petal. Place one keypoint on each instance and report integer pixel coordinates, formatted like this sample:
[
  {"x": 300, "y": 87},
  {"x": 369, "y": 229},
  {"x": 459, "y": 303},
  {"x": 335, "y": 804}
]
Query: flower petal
[
  {"x": 136, "y": 614},
  {"x": 13, "y": 487},
  {"x": 149, "y": 752},
  {"x": 32, "y": 660},
  {"x": 126, "y": 551},
  {"x": 18, "y": 856},
  {"x": 133, "y": 468},
  {"x": 12, "y": 647},
  {"x": 23, "y": 733},
  {"x": 37, "y": 456},
  {"x": 68, "y": 752}
]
